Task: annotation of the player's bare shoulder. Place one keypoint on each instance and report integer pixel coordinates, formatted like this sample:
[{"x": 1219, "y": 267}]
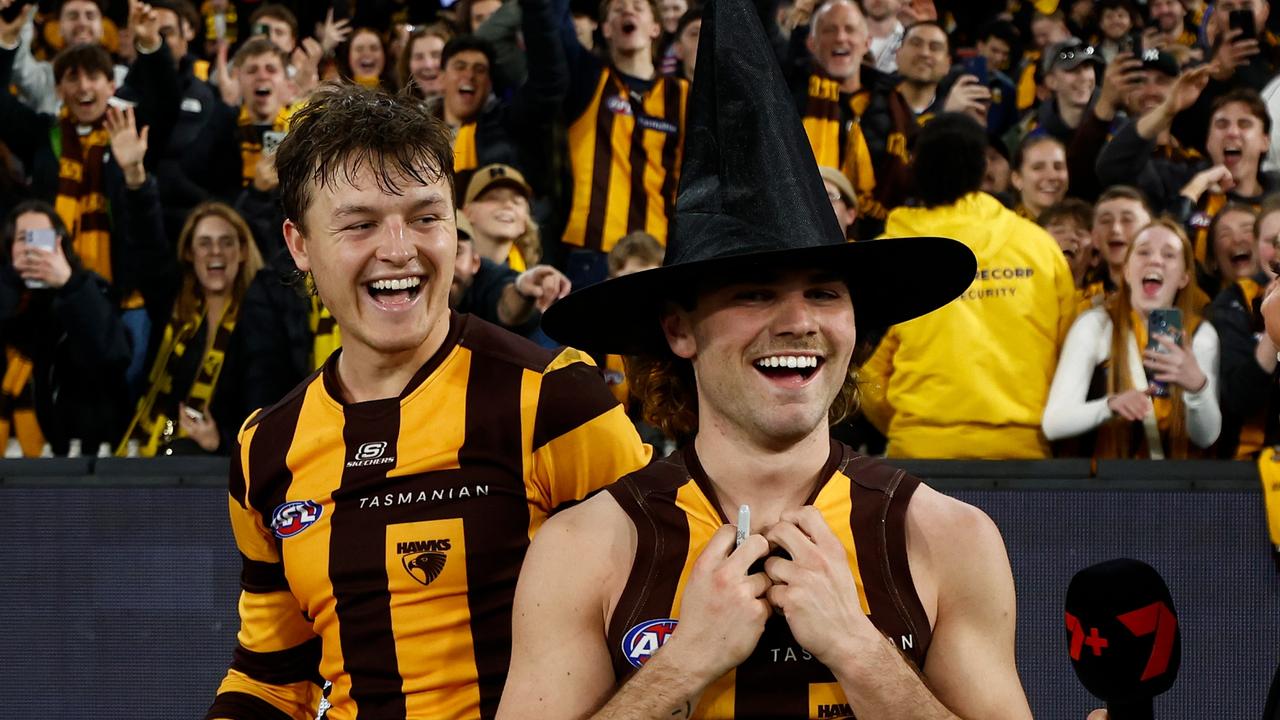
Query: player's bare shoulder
[
  {"x": 587, "y": 549},
  {"x": 949, "y": 540}
]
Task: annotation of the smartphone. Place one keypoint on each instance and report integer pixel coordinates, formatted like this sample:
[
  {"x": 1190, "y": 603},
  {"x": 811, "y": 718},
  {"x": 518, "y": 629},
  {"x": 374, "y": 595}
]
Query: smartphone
[
  {"x": 192, "y": 413},
  {"x": 271, "y": 140},
  {"x": 977, "y": 67},
  {"x": 262, "y": 29},
  {"x": 1242, "y": 20},
  {"x": 44, "y": 239},
  {"x": 1135, "y": 42},
  {"x": 1162, "y": 321}
]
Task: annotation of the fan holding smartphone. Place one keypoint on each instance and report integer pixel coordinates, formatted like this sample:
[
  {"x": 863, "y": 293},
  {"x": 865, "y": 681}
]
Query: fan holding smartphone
[{"x": 1154, "y": 354}]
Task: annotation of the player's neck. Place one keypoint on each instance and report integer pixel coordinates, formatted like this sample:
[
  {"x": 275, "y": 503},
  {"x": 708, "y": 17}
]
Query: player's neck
[
  {"x": 636, "y": 63},
  {"x": 365, "y": 373},
  {"x": 770, "y": 480}
]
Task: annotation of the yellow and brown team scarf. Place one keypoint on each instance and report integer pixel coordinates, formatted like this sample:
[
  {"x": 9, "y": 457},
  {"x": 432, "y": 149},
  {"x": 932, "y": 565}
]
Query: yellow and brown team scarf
[
  {"x": 82, "y": 200},
  {"x": 823, "y": 119},
  {"x": 326, "y": 338},
  {"x": 1269, "y": 474},
  {"x": 151, "y": 427},
  {"x": 251, "y": 138},
  {"x": 17, "y": 407}
]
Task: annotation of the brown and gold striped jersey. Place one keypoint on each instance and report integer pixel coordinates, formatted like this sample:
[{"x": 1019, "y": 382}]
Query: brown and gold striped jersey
[
  {"x": 381, "y": 540},
  {"x": 625, "y": 154},
  {"x": 675, "y": 512}
]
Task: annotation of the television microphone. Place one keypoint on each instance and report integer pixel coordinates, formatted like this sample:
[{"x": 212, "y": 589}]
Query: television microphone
[{"x": 1122, "y": 635}]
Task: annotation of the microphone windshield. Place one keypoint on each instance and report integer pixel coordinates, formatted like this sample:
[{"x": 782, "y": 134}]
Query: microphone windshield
[{"x": 1122, "y": 631}]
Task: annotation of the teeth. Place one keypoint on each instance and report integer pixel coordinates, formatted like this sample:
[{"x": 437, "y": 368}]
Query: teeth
[
  {"x": 788, "y": 361},
  {"x": 395, "y": 284}
]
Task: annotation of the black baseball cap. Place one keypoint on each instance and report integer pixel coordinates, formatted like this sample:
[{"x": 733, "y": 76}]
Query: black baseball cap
[{"x": 1069, "y": 55}]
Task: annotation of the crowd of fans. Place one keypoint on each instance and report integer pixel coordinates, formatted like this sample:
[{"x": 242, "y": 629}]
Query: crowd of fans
[{"x": 1108, "y": 161}]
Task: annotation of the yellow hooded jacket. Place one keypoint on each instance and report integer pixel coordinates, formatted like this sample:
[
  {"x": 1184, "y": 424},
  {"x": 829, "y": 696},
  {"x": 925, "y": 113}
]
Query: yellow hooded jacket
[{"x": 970, "y": 380}]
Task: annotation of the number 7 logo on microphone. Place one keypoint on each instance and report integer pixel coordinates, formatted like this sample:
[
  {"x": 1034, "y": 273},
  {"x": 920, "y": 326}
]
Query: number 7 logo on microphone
[{"x": 1159, "y": 619}]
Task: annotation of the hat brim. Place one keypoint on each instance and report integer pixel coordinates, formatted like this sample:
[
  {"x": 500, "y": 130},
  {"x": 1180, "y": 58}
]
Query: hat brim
[{"x": 890, "y": 280}]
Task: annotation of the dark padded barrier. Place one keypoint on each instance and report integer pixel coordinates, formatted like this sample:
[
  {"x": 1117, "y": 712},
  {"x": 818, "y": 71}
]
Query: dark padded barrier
[{"x": 120, "y": 586}]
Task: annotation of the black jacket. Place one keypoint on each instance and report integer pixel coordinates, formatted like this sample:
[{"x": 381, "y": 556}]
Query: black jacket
[
  {"x": 79, "y": 352},
  {"x": 1244, "y": 388},
  {"x": 27, "y": 133},
  {"x": 196, "y": 153}
]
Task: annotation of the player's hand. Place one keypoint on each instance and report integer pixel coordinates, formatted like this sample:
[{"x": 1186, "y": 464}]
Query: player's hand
[
  {"x": 1175, "y": 364},
  {"x": 815, "y": 589},
  {"x": 543, "y": 285},
  {"x": 723, "y": 611},
  {"x": 1132, "y": 405}
]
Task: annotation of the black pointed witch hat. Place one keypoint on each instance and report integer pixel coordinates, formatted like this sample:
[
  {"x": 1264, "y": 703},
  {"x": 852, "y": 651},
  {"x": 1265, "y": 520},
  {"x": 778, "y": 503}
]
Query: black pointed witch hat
[{"x": 751, "y": 197}]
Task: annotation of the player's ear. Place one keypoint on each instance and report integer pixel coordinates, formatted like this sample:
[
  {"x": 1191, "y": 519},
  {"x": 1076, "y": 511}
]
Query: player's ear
[{"x": 679, "y": 333}]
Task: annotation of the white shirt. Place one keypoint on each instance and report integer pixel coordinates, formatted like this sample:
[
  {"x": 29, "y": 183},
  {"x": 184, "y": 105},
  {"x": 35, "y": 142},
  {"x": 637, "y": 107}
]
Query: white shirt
[
  {"x": 885, "y": 49},
  {"x": 1088, "y": 345}
]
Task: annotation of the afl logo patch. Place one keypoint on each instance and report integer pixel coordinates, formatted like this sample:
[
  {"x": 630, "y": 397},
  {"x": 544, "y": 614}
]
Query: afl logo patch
[
  {"x": 293, "y": 517},
  {"x": 643, "y": 640}
]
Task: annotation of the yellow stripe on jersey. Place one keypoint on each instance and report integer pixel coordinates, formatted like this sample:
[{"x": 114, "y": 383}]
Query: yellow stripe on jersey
[
  {"x": 450, "y": 653},
  {"x": 835, "y": 504}
]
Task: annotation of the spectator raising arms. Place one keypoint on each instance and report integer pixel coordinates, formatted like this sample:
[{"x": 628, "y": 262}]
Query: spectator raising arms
[
  {"x": 195, "y": 296},
  {"x": 1104, "y": 377}
]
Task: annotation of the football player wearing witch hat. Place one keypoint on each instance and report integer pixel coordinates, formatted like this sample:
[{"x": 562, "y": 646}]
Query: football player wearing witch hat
[{"x": 851, "y": 588}]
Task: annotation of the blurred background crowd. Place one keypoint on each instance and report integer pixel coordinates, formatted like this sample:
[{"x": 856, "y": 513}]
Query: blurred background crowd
[{"x": 1111, "y": 163}]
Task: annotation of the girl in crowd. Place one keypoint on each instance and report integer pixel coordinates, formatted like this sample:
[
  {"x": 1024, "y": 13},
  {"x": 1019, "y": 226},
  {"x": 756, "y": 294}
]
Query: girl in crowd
[
  {"x": 367, "y": 60},
  {"x": 1244, "y": 250},
  {"x": 1039, "y": 175},
  {"x": 65, "y": 348},
  {"x": 419, "y": 65},
  {"x": 195, "y": 296},
  {"x": 1104, "y": 374}
]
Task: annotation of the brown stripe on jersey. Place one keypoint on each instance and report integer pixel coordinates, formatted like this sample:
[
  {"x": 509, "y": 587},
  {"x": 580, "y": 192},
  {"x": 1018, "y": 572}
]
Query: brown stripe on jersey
[
  {"x": 261, "y": 577},
  {"x": 881, "y": 492},
  {"x": 570, "y": 396},
  {"x": 268, "y": 451},
  {"x": 244, "y": 705},
  {"x": 768, "y": 684},
  {"x": 282, "y": 667},
  {"x": 357, "y": 569},
  {"x": 670, "y": 146},
  {"x": 601, "y": 168},
  {"x": 899, "y": 569},
  {"x": 493, "y": 441},
  {"x": 662, "y": 543},
  {"x": 235, "y": 478},
  {"x": 638, "y": 200}
]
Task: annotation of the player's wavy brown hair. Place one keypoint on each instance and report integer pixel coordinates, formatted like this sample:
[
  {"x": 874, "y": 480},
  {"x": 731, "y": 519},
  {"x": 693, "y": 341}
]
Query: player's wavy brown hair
[{"x": 667, "y": 392}]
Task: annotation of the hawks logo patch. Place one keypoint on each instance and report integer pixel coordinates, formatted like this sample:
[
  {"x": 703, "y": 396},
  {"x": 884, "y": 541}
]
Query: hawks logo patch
[
  {"x": 293, "y": 517},
  {"x": 643, "y": 640},
  {"x": 424, "y": 560}
]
